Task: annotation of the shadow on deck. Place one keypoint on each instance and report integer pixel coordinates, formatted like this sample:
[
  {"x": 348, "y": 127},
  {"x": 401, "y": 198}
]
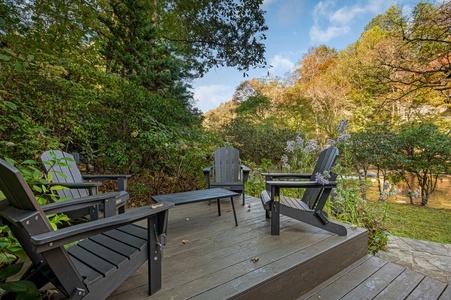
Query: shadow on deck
[{"x": 221, "y": 261}]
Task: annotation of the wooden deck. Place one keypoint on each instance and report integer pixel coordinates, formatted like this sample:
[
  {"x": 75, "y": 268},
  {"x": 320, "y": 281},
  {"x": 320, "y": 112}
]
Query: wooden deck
[
  {"x": 373, "y": 278},
  {"x": 208, "y": 257}
]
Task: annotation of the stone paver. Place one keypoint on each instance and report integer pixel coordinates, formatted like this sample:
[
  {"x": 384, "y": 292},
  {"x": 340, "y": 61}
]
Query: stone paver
[{"x": 428, "y": 258}]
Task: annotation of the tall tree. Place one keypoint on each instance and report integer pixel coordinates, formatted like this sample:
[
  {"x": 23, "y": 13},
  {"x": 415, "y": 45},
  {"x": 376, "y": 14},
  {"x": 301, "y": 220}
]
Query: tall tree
[{"x": 215, "y": 33}]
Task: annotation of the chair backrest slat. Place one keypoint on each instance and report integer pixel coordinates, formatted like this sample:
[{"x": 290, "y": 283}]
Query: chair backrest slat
[
  {"x": 72, "y": 174},
  {"x": 226, "y": 165},
  {"x": 325, "y": 162}
]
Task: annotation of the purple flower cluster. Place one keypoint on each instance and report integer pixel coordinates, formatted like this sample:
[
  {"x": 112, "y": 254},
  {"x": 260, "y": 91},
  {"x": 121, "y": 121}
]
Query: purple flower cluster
[
  {"x": 330, "y": 142},
  {"x": 343, "y": 137},
  {"x": 342, "y": 126},
  {"x": 311, "y": 146},
  {"x": 322, "y": 179},
  {"x": 300, "y": 141},
  {"x": 291, "y": 146}
]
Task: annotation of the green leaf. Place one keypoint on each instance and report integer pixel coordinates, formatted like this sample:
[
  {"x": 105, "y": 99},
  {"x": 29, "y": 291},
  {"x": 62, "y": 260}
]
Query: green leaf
[
  {"x": 22, "y": 286},
  {"x": 18, "y": 66},
  {"x": 64, "y": 165},
  {"x": 10, "y": 161},
  {"x": 37, "y": 188},
  {"x": 11, "y": 270},
  {"x": 59, "y": 187},
  {"x": 30, "y": 162},
  {"x": 61, "y": 174},
  {"x": 4, "y": 243},
  {"x": 7, "y": 258},
  {"x": 4, "y": 57},
  {"x": 11, "y": 105}
]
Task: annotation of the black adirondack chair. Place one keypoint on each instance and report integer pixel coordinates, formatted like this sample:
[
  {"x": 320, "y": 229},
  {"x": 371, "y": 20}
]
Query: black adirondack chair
[
  {"x": 79, "y": 187},
  {"x": 108, "y": 252},
  {"x": 309, "y": 208},
  {"x": 227, "y": 171}
]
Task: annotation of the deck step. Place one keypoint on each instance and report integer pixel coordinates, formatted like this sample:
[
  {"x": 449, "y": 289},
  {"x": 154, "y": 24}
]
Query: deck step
[{"x": 373, "y": 278}]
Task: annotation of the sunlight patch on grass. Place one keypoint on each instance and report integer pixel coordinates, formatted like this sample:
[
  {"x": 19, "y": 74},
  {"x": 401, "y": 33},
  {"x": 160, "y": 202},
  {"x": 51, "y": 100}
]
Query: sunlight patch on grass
[{"x": 417, "y": 222}]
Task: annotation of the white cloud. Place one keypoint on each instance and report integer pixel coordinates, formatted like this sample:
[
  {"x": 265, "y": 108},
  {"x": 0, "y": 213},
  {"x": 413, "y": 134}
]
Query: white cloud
[
  {"x": 280, "y": 65},
  {"x": 208, "y": 97},
  {"x": 330, "y": 23},
  {"x": 323, "y": 36}
]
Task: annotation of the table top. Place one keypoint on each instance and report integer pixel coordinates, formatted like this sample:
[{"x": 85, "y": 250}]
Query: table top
[{"x": 195, "y": 196}]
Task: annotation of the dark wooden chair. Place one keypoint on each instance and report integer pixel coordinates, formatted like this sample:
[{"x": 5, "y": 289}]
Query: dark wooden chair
[
  {"x": 71, "y": 177},
  {"x": 309, "y": 208},
  {"x": 108, "y": 251},
  {"x": 227, "y": 171}
]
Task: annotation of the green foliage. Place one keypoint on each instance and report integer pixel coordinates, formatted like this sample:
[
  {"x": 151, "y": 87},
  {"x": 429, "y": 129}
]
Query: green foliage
[
  {"x": 36, "y": 178},
  {"x": 425, "y": 152},
  {"x": 25, "y": 290},
  {"x": 10, "y": 249},
  {"x": 256, "y": 182},
  {"x": 416, "y": 222},
  {"x": 257, "y": 141},
  {"x": 215, "y": 33}
]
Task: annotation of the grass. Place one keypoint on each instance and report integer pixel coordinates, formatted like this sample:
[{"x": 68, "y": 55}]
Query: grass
[{"x": 417, "y": 222}]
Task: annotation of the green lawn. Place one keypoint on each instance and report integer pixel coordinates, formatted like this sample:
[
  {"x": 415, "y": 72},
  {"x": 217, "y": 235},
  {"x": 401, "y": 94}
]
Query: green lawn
[{"x": 416, "y": 222}]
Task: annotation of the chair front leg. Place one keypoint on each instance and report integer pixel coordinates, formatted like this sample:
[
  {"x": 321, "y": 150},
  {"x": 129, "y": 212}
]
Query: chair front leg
[
  {"x": 275, "y": 210},
  {"x": 155, "y": 256}
]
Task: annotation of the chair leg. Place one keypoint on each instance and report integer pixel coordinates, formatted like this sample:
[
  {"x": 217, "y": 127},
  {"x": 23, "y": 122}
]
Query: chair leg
[
  {"x": 155, "y": 255},
  {"x": 244, "y": 199},
  {"x": 275, "y": 218}
]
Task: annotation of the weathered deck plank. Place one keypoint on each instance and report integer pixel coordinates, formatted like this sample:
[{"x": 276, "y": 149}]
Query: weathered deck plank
[
  {"x": 220, "y": 260},
  {"x": 373, "y": 278}
]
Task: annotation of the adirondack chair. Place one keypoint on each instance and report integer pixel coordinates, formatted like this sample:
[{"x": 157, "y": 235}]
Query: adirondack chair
[
  {"x": 227, "y": 171},
  {"x": 77, "y": 185},
  {"x": 108, "y": 252},
  {"x": 309, "y": 208}
]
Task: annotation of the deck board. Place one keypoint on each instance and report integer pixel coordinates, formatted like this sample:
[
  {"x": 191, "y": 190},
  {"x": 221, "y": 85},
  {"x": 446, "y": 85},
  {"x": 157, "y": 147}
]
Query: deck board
[
  {"x": 221, "y": 261},
  {"x": 374, "y": 278}
]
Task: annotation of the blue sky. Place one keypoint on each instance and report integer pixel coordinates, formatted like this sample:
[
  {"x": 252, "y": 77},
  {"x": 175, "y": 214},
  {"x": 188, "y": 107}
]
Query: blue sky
[{"x": 294, "y": 27}]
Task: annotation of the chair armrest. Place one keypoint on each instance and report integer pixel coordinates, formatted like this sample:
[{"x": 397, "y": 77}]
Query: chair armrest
[
  {"x": 108, "y": 199},
  {"x": 207, "y": 171},
  {"x": 93, "y": 187},
  {"x": 121, "y": 179},
  {"x": 49, "y": 240},
  {"x": 246, "y": 171},
  {"x": 301, "y": 184},
  {"x": 270, "y": 176}
]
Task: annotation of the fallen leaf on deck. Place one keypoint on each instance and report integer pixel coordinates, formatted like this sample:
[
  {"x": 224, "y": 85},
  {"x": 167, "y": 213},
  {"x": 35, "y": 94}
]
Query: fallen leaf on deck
[
  {"x": 156, "y": 205},
  {"x": 255, "y": 259},
  {"x": 185, "y": 241},
  {"x": 187, "y": 219}
]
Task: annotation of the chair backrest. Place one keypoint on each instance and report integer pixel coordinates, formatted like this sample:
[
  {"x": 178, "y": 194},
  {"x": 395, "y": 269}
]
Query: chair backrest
[
  {"x": 16, "y": 189},
  {"x": 26, "y": 218},
  {"x": 72, "y": 173},
  {"x": 324, "y": 163},
  {"x": 227, "y": 165}
]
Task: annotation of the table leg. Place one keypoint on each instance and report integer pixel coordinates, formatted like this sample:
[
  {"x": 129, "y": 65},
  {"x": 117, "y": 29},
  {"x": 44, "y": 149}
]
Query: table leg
[
  {"x": 234, "y": 213},
  {"x": 219, "y": 207}
]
